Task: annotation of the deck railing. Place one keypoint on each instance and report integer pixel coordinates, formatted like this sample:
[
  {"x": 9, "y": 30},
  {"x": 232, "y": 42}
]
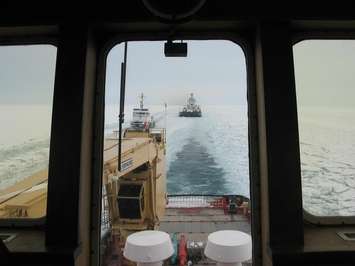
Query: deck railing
[
  {"x": 203, "y": 201},
  {"x": 187, "y": 201},
  {"x": 105, "y": 215}
]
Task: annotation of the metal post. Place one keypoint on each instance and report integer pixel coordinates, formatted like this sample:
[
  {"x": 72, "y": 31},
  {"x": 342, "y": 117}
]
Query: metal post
[{"x": 122, "y": 98}]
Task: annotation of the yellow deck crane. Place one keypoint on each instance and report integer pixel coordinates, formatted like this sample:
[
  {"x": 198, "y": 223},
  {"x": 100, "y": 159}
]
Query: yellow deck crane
[{"x": 136, "y": 195}]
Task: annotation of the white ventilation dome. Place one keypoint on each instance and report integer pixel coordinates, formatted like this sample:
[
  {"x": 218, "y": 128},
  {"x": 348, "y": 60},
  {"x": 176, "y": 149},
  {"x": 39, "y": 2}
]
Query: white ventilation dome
[
  {"x": 228, "y": 247},
  {"x": 148, "y": 247}
]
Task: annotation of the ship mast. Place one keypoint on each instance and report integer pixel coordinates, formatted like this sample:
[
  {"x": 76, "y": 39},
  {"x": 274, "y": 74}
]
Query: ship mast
[{"x": 141, "y": 100}]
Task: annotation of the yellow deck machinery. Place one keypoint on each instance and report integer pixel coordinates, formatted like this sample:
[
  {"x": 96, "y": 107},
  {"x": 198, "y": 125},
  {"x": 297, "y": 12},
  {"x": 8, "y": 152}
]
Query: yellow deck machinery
[{"x": 135, "y": 197}]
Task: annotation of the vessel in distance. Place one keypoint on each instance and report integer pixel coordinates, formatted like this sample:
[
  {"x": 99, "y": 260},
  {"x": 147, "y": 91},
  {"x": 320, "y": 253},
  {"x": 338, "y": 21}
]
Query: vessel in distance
[
  {"x": 141, "y": 117},
  {"x": 191, "y": 109}
]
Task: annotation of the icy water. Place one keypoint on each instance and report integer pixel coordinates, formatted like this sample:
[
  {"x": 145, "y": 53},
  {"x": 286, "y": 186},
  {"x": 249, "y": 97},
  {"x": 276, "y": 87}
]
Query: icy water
[
  {"x": 195, "y": 171},
  {"x": 24, "y": 141},
  {"x": 328, "y": 160},
  {"x": 207, "y": 155}
]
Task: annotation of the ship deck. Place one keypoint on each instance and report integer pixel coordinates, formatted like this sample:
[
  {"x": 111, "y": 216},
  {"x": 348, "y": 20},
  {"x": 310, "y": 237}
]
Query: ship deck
[
  {"x": 128, "y": 144},
  {"x": 196, "y": 223}
]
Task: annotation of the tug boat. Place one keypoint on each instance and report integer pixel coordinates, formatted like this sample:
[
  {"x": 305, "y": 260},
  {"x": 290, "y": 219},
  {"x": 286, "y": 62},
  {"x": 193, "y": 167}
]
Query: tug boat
[{"x": 191, "y": 109}]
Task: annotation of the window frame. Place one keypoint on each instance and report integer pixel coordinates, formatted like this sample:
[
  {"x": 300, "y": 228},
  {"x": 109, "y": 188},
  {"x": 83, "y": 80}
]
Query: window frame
[
  {"x": 244, "y": 39},
  {"x": 23, "y": 41},
  {"x": 323, "y": 35}
]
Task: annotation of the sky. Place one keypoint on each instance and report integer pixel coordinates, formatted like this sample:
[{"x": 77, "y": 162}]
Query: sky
[
  {"x": 27, "y": 74},
  {"x": 214, "y": 70},
  {"x": 325, "y": 73}
]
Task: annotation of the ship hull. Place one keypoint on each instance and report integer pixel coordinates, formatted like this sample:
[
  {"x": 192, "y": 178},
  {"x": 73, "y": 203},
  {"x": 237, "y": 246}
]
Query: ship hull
[{"x": 190, "y": 114}]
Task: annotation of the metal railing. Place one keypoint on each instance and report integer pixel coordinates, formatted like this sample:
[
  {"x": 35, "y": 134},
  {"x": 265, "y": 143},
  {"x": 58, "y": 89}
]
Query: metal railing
[
  {"x": 186, "y": 201},
  {"x": 203, "y": 201},
  {"x": 105, "y": 214}
]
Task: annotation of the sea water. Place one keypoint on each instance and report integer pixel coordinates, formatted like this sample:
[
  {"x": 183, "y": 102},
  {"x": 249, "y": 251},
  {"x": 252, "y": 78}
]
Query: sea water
[
  {"x": 327, "y": 146},
  {"x": 206, "y": 155},
  {"x": 24, "y": 141}
]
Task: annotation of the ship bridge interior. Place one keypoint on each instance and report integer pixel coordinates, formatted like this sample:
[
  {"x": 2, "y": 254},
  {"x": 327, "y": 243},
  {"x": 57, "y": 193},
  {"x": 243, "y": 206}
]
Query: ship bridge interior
[{"x": 282, "y": 232}]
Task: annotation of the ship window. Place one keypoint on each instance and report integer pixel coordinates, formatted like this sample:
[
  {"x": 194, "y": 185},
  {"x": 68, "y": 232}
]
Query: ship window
[
  {"x": 325, "y": 83},
  {"x": 186, "y": 140},
  {"x": 26, "y": 90}
]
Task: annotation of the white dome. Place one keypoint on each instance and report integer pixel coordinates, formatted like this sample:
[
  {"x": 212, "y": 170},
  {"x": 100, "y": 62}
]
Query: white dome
[
  {"x": 148, "y": 246},
  {"x": 228, "y": 246}
]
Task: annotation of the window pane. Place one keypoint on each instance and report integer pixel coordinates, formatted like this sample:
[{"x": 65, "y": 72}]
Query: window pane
[
  {"x": 26, "y": 91},
  {"x": 198, "y": 167},
  {"x": 325, "y": 82}
]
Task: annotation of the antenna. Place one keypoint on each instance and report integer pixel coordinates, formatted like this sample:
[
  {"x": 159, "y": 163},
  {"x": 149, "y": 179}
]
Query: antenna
[
  {"x": 165, "y": 114},
  {"x": 122, "y": 98},
  {"x": 165, "y": 120}
]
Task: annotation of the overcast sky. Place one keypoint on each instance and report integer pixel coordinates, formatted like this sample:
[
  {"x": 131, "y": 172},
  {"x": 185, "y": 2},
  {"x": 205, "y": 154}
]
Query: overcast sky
[
  {"x": 325, "y": 73},
  {"x": 214, "y": 70},
  {"x": 27, "y": 74}
]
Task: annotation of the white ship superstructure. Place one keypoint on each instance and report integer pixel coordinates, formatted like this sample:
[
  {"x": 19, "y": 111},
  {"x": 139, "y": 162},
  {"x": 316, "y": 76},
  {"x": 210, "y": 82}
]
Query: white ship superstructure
[{"x": 141, "y": 117}]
